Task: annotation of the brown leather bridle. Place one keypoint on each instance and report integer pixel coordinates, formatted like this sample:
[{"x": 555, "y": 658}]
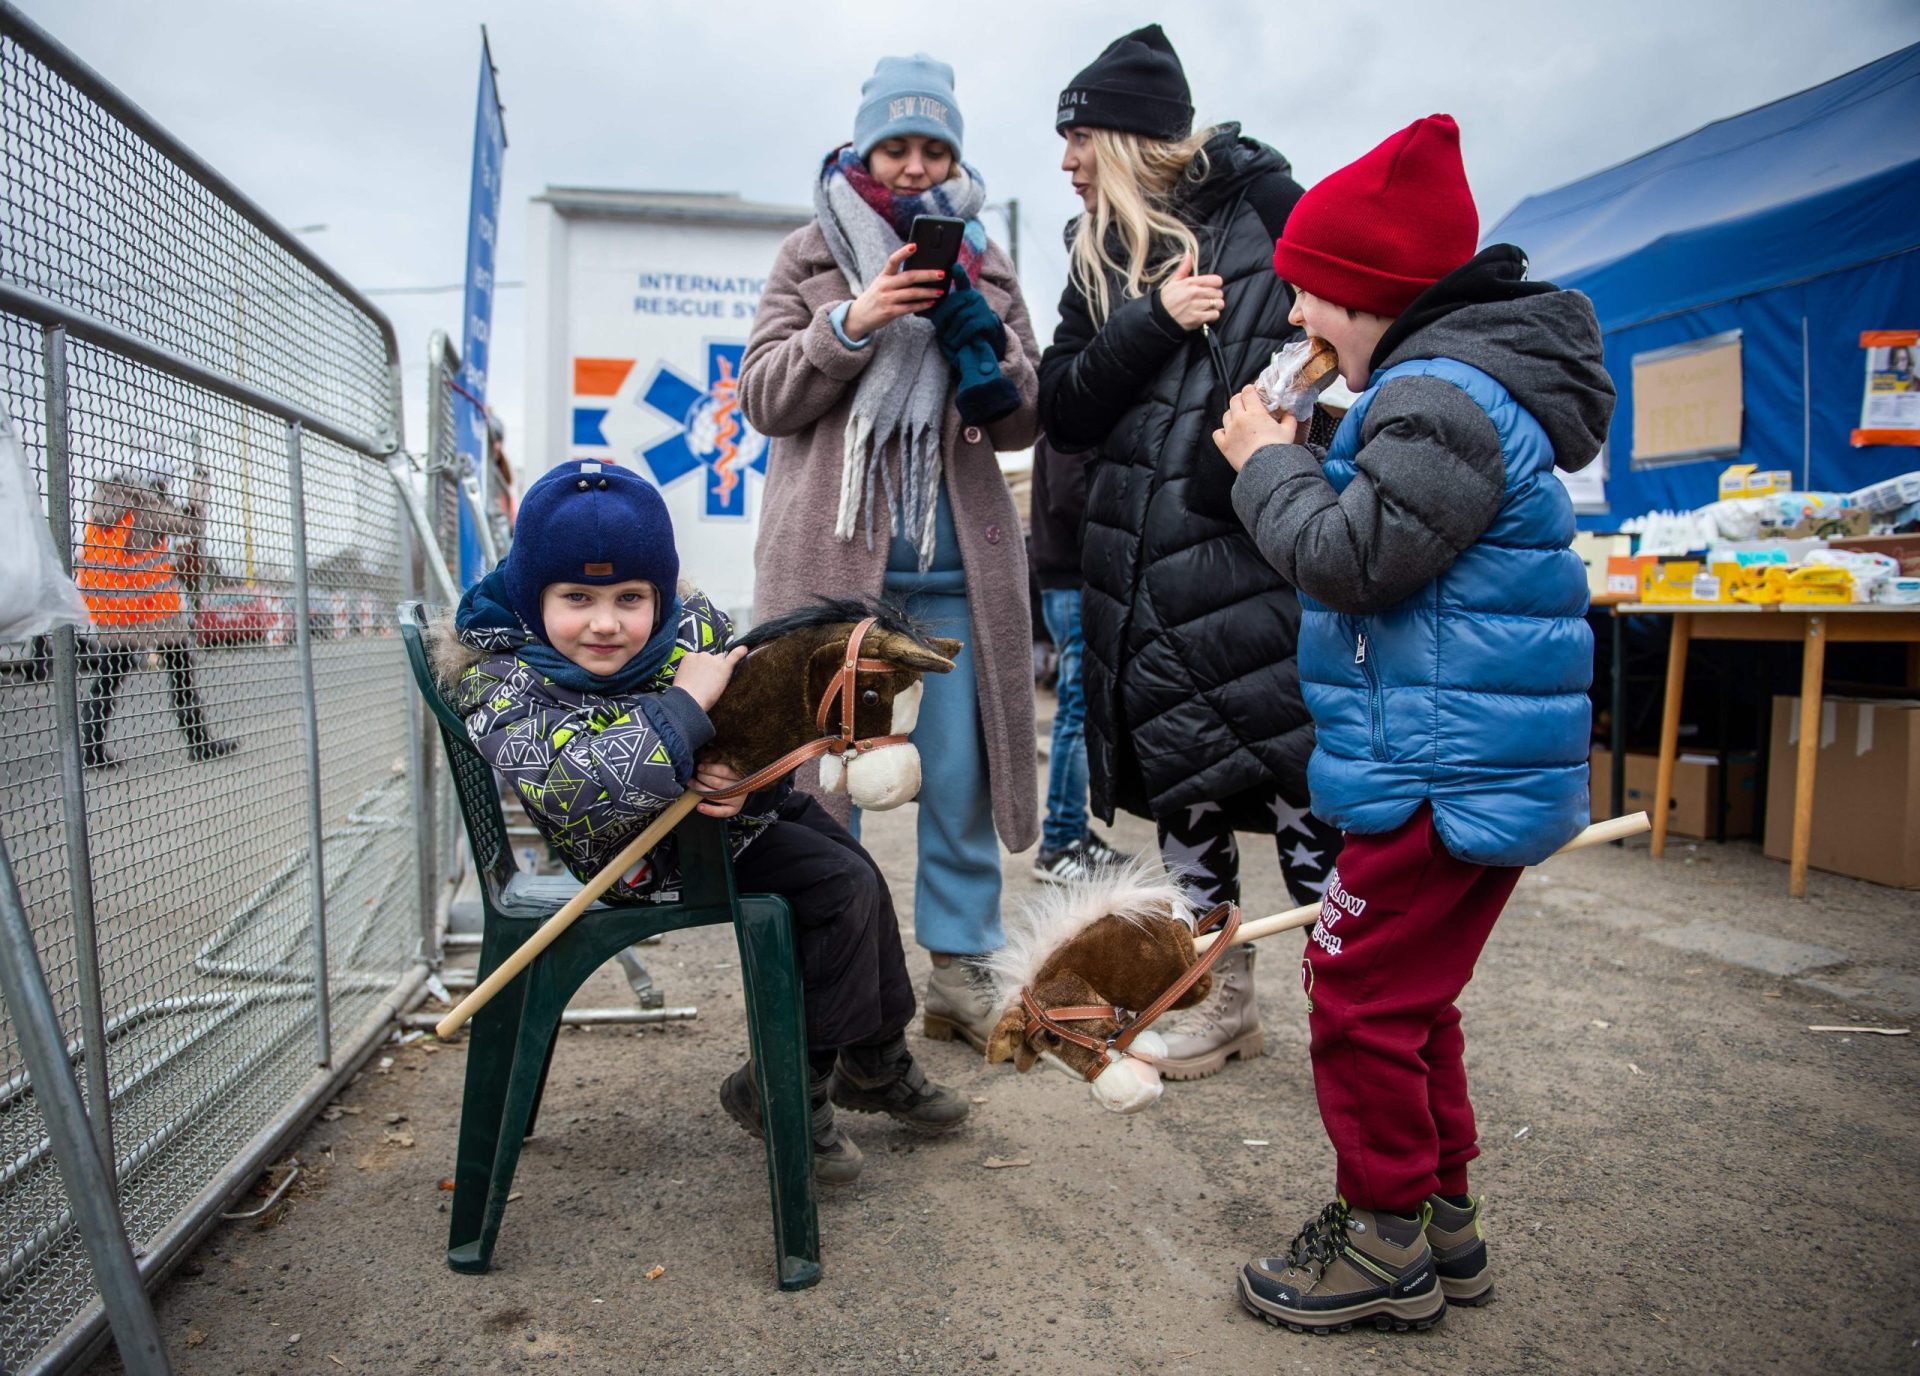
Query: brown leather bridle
[
  {"x": 845, "y": 745},
  {"x": 1225, "y": 916}
]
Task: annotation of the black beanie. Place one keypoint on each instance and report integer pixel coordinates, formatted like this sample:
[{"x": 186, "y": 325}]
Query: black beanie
[{"x": 1136, "y": 85}]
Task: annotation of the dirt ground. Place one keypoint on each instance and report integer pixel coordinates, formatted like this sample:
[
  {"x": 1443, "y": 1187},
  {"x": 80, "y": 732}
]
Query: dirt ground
[{"x": 1679, "y": 1175}]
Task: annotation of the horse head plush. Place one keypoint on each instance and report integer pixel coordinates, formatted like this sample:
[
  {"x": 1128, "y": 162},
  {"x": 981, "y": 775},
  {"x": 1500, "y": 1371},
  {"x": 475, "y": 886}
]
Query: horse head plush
[
  {"x": 801, "y": 676},
  {"x": 1077, "y": 960},
  {"x": 837, "y": 681}
]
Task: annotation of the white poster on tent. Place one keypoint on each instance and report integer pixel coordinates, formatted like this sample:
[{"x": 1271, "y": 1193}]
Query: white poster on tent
[{"x": 1588, "y": 487}]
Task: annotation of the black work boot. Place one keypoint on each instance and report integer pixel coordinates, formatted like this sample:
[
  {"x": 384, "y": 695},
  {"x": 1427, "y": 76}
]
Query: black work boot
[
  {"x": 201, "y": 747},
  {"x": 1460, "y": 1251},
  {"x": 94, "y": 716},
  {"x": 886, "y": 1079},
  {"x": 836, "y": 1160},
  {"x": 1347, "y": 1267}
]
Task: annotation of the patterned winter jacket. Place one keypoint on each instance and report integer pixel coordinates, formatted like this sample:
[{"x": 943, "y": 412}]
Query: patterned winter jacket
[{"x": 593, "y": 770}]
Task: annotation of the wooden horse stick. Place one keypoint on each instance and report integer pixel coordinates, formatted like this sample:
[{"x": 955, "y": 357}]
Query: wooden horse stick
[
  {"x": 1613, "y": 829},
  {"x": 550, "y": 930}
]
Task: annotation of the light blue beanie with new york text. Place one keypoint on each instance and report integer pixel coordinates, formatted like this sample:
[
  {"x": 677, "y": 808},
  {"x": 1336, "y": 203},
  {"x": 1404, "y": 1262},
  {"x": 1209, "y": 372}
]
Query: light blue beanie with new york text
[{"x": 907, "y": 95}]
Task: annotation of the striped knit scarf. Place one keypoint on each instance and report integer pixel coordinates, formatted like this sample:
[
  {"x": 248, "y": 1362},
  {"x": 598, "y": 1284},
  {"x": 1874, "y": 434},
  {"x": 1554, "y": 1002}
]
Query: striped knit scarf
[{"x": 901, "y": 398}]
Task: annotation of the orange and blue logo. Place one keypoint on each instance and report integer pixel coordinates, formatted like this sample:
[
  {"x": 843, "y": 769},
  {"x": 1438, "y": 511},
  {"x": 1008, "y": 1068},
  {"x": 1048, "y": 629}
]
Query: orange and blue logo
[{"x": 711, "y": 438}]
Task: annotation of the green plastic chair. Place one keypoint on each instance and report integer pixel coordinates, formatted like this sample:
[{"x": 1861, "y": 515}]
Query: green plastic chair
[{"x": 510, "y": 1041}]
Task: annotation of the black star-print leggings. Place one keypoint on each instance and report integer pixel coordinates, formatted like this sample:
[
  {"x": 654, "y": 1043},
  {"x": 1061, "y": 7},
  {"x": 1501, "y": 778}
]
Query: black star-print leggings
[{"x": 1198, "y": 844}]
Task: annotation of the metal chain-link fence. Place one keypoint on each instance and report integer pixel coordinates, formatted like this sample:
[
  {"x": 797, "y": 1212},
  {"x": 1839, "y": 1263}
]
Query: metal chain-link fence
[
  {"x": 442, "y": 501},
  {"x": 210, "y": 795}
]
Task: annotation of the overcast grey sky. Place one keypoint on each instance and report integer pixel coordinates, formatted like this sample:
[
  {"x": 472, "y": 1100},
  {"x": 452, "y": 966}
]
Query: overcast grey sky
[{"x": 358, "y": 114}]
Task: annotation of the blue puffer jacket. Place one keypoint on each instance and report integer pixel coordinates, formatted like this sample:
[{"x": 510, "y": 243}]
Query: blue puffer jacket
[
  {"x": 1444, "y": 650},
  {"x": 1472, "y": 693}
]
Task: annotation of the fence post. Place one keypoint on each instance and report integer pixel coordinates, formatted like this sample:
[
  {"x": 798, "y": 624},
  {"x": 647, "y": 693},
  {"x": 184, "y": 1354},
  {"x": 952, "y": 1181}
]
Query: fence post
[
  {"x": 89, "y": 1185},
  {"x": 66, "y": 707},
  {"x": 303, "y": 636},
  {"x": 420, "y": 766}
]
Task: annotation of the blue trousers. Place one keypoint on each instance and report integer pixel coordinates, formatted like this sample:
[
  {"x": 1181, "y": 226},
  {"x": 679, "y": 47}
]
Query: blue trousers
[
  {"x": 1067, "y": 757},
  {"x": 956, "y": 890}
]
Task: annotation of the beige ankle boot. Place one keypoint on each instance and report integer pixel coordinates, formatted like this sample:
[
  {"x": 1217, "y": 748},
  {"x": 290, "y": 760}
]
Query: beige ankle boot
[
  {"x": 1202, "y": 1038},
  {"x": 958, "y": 1003}
]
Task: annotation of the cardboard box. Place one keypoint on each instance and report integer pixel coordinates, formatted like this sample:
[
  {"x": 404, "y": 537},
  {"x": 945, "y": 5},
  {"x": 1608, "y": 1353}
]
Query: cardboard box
[
  {"x": 1733, "y": 482},
  {"x": 1670, "y": 580},
  {"x": 1696, "y": 783},
  {"x": 1626, "y": 573},
  {"x": 1747, "y": 480},
  {"x": 1597, "y": 552},
  {"x": 1866, "y": 796}
]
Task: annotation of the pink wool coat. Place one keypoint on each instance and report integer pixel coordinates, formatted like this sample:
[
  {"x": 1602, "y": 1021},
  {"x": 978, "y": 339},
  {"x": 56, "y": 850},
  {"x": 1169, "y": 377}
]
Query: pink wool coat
[{"x": 796, "y": 387}]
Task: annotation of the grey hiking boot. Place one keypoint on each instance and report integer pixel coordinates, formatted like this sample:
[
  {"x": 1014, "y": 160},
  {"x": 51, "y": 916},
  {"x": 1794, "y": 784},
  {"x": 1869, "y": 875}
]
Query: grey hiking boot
[
  {"x": 1202, "y": 1039},
  {"x": 958, "y": 1003},
  {"x": 1459, "y": 1251},
  {"x": 836, "y": 1160},
  {"x": 886, "y": 1079},
  {"x": 1349, "y": 1266}
]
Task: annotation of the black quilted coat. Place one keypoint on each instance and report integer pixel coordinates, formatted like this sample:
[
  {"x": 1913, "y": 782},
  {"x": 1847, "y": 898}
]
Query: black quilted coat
[{"x": 1192, "y": 691}]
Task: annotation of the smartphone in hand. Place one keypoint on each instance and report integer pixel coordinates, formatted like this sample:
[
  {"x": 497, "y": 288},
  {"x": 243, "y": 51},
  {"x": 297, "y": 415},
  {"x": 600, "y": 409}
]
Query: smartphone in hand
[{"x": 936, "y": 244}]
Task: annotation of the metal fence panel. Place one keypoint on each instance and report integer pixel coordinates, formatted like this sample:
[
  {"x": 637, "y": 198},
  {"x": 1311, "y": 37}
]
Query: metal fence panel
[
  {"x": 154, "y": 323},
  {"x": 443, "y": 470}
]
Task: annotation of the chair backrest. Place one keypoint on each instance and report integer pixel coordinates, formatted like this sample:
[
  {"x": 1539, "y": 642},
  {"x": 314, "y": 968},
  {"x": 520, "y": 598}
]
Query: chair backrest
[{"x": 473, "y": 780}]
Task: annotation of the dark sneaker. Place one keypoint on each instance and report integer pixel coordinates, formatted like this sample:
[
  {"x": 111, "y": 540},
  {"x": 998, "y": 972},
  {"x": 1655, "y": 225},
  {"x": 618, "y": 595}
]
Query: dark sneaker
[
  {"x": 888, "y": 1080},
  {"x": 1347, "y": 1267},
  {"x": 211, "y": 750},
  {"x": 1459, "y": 1251},
  {"x": 1095, "y": 851},
  {"x": 836, "y": 1160},
  {"x": 99, "y": 759},
  {"x": 1064, "y": 866}
]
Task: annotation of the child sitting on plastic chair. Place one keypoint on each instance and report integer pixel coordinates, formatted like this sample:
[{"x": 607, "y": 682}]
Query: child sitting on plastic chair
[{"x": 585, "y": 672}]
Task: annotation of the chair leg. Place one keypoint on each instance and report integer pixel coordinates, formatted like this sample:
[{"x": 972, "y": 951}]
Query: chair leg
[
  {"x": 777, "y": 1036},
  {"x": 490, "y": 1048},
  {"x": 540, "y": 1091},
  {"x": 539, "y": 1026}
]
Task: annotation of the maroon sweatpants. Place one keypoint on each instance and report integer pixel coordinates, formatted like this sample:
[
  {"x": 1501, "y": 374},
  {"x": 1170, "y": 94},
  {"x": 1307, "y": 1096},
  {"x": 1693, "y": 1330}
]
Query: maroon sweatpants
[{"x": 1400, "y": 928}]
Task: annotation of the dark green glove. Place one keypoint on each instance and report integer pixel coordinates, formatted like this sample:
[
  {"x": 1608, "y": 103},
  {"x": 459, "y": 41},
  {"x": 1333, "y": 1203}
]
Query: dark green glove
[{"x": 973, "y": 339}]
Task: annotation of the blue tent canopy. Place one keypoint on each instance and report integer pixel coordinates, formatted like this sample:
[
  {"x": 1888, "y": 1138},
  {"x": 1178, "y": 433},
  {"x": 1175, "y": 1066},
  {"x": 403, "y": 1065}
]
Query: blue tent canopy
[{"x": 1798, "y": 224}]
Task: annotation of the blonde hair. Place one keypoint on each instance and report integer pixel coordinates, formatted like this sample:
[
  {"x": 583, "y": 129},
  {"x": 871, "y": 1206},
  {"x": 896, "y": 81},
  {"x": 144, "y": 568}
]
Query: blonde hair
[{"x": 1133, "y": 191}]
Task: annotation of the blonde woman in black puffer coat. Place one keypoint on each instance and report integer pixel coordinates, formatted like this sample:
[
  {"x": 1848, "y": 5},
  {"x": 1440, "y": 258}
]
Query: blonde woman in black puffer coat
[{"x": 1194, "y": 712}]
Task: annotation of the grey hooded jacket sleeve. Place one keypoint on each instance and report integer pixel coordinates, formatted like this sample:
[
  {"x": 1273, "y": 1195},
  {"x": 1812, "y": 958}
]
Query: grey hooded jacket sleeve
[{"x": 1429, "y": 480}]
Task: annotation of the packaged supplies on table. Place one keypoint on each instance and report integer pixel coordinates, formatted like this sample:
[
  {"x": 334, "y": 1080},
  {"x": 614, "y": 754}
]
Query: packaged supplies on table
[
  {"x": 1868, "y": 570},
  {"x": 1819, "y": 583},
  {"x": 1890, "y": 494}
]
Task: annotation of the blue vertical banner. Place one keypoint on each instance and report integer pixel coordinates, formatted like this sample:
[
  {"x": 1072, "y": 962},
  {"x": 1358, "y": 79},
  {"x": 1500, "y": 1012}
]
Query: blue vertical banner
[{"x": 483, "y": 232}]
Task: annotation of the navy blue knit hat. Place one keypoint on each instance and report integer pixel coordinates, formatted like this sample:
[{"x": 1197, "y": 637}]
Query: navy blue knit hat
[{"x": 589, "y": 522}]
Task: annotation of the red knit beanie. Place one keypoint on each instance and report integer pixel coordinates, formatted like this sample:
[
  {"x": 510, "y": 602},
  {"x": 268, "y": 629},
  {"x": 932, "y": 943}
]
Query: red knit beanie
[{"x": 1384, "y": 228}]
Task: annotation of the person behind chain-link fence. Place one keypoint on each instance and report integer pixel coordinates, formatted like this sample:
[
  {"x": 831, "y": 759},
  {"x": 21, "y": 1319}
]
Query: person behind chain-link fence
[{"x": 129, "y": 571}]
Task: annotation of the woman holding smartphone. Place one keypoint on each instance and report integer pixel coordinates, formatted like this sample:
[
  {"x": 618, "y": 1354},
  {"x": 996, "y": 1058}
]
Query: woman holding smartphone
[
  {"x": 886, "y": 389},
  {"x": 1194, "y": 712}
]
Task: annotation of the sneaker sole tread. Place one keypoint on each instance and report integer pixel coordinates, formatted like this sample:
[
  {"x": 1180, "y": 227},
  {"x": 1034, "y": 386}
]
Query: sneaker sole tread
[
  {"x": 936, "y": 1028},
  {"x": 1467, "y": 1294},
  {"x": 1247, "y": 1046},
  {"x": 1384, "y": 1320},
  {"x": 924, "y": 1129}
]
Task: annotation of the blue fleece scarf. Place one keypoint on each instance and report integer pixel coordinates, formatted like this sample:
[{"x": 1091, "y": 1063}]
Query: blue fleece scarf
[{"x": 486, "y": 621}]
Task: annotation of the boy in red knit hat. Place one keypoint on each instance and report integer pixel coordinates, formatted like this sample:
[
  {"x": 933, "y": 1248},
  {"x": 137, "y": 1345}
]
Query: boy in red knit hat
[{"x": 1445, "y": 656}]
